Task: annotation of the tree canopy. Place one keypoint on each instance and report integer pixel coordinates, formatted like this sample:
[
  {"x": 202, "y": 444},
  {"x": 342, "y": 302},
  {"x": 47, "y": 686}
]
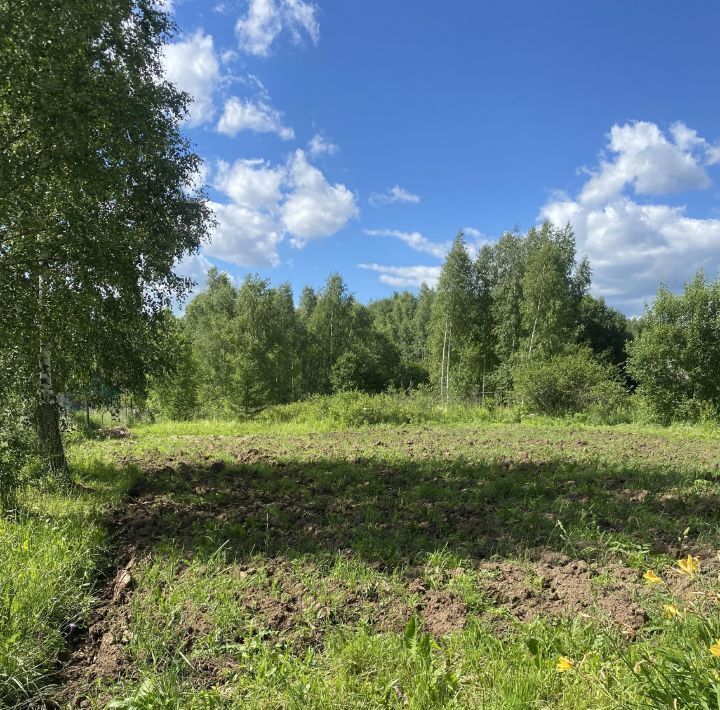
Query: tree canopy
[{"x": 98, "y": 201}]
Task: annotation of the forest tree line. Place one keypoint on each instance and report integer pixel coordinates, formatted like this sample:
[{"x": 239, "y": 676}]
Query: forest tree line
[{"x": 516, "y": 323}]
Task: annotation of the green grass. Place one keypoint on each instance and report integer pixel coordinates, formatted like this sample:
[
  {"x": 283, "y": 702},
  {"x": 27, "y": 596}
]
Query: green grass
[
  {"x": 51, "y": 551},
  {"x": 288, "y": 565},
  {"x": 296, "y": 575}
]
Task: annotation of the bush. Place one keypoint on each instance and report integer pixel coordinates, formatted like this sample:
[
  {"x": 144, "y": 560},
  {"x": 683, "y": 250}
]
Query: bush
[
  {"x": 357, "y": 369},
  {"x": 574, "y": 382}
]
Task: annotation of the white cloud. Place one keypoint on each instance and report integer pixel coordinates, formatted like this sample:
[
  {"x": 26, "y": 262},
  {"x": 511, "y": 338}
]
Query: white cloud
[
  {"x": 414, "y": 240},
  {"x": 251, "y": 183},
  {"x": 319, "y": 145},
  {"x": 193, "y": 67},
  {"x": 314, "y": 208},
  {"x": 271, "y": 203},
  {"x": 634, "y": 246},
  {"x": 650, "y": 163},
  {"x": 246, "y": 115},
  {"x": 244, "y": 236},
  {"x": 267, "y": 19},
  {"x": 474, "y": 234},
  {"x": 405, "y": 276},
  {"x": 394, "y": 194}
]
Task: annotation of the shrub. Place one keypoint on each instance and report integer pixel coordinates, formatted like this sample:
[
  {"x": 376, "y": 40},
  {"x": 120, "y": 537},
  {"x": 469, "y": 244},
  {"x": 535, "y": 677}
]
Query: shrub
[{"x": 576, "y": 381}]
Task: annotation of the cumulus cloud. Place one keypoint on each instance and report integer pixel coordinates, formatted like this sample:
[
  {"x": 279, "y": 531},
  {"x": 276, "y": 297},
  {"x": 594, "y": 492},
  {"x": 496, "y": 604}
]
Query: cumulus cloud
[
  {"x": 244, "y": 236},
  {"x": 314, "y": 208},
  {"x": 634, "y": 245},
  {"x": 319, "y": 145},
  {"x": 192, "y": 65},
  {"x": 271, "y": 203},
  {"x": 405, "y": 276},
  {"x": 646, "y": 160},
  {"x": 265, "y": 20},
  {"x": 394, "y": 194},
  {"x": 251, "y": 183},
  {"x": 246, "y": 115},
  {"x": 414, "y": 240}
]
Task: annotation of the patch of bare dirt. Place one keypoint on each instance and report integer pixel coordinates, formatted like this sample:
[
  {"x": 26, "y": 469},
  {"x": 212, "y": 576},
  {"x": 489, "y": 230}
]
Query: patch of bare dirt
[
  {"x": 442, "y": 612},
  {"x": 558, "y": 586},
  {"x": 117, "y": 432}
]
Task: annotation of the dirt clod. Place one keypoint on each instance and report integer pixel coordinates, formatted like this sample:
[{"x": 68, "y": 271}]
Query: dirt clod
[{"x": 442, "y": 612}]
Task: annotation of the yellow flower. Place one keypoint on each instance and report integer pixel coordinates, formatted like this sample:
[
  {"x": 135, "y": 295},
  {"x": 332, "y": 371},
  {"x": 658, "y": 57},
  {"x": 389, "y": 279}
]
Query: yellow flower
[
  {"x": 690, "y": 565},
  {"x": 651, "y": 578},
  {"x": 671, "y": 610},
  {"x": 715, "y": 648},
  {"x": 564, "y": 664}
]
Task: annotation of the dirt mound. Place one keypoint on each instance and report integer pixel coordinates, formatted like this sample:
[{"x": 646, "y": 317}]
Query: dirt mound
[
  {"x": 442, "y": 612},
  {"x": 561, "y": 587},
  {"x": 117, "y": 432}
]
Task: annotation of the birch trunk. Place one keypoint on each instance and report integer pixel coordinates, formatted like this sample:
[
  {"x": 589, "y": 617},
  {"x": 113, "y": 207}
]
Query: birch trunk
[
  {"x": 532, "y": 336},
  {"x": 447, "y": 372},
  {"x": 442, "y": 364},
  {"x": 49, "y": 420},
  {"x": 48, "y": 414}
]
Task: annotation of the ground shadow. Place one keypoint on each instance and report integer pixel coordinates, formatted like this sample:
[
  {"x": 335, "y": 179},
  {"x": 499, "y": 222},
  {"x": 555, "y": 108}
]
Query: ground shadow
[{"x": 393, "y": 514}]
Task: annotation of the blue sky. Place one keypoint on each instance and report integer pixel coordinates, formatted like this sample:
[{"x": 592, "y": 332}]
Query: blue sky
[{"x": 360, "y": 136}]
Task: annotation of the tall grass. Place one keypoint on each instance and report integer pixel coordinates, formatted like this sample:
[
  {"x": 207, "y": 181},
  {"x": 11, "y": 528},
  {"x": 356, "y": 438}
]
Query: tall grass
[
  {"x": 358, "y": 409},
  {"x": 52, "y": 544}
]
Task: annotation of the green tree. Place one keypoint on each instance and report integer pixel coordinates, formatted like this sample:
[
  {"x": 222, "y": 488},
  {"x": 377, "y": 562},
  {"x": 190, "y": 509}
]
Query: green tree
[
  {"x": 421, "y": 325},
  {"x": 174, "y": 393},
  {"x": 482, "y": 351},
  {"x": 676, "y": 356},
  {"x": 332, "y": 328},
  {"x": 264, "y": 340},
  {"x": 454, "y": 323},
  {"x": 604, "y": 329},
  {"x": 398, "y": 320},
  {"x": 97, "y": 202},
  {"x": 507, "y": 293},
  {"x": 207, "y": 321},
  {"x": 552, "y": 289}
]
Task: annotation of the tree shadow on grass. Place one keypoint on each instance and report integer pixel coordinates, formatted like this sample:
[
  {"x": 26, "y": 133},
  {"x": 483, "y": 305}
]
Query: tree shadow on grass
[
  {"x": 391, "y": 515},
  {"x": 394, "y": 514}
]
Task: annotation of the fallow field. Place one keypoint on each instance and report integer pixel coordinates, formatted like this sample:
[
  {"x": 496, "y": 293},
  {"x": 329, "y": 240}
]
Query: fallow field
[{"x": 210, "y": 565}]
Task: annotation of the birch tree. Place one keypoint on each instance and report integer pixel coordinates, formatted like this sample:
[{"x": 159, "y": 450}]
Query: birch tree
[
  {"x": 97, "y": 202},
  {"x": 553, "y": 285},
  {"x": 455, "y": 315}
]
